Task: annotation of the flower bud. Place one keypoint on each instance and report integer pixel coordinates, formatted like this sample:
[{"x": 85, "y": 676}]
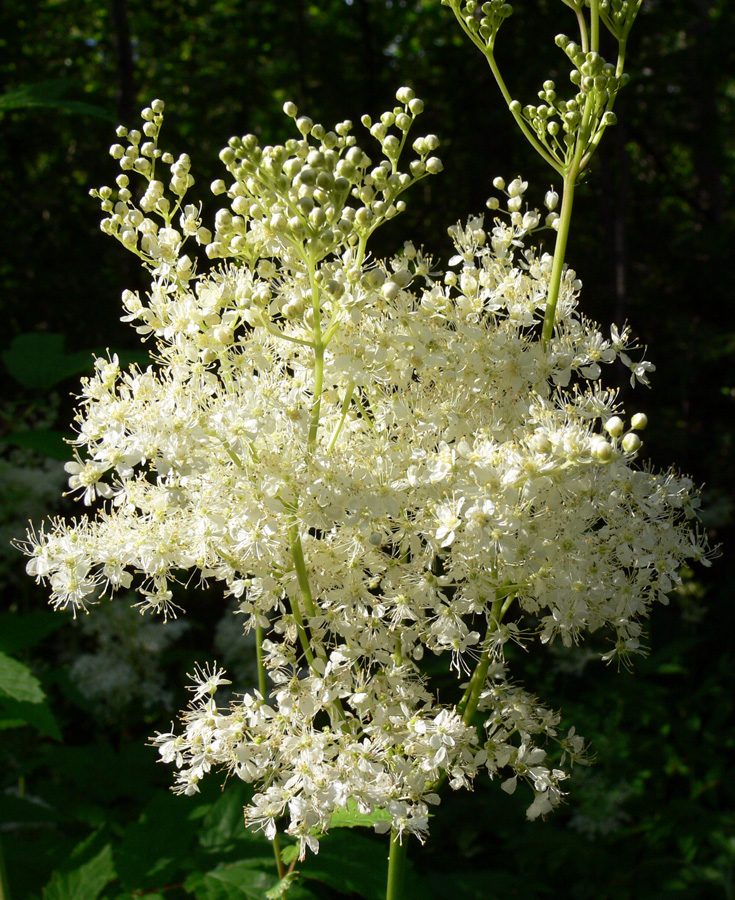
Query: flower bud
[
  {"x": 602, "y": 449},
  {"x": 631, "y": 442},
  {"x": 290, "y": 109},
  {"x": 551, "y": 199},
  {"x": 639, "y": 421},
  {"x": 390, "y": 290},
  {"x": 615, "y": 426},
  {"x": 304, "y": 124},
  {"x": 499, "y": 184}
]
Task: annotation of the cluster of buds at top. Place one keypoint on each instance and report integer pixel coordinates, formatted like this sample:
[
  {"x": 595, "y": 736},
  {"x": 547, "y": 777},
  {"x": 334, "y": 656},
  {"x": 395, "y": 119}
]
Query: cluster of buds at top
[
  {"x": 619, "y": 15},
  {"x": 564, "y": 133},
  {"x": 483, "y": 21},
  {"x": 320, "y": 192},
  {"x": 147, "y": 228},
  {"x": 560, "y": 124}
]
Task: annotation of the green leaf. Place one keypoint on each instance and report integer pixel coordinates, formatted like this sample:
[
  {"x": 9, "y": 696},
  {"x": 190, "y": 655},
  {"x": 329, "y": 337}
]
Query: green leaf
[
  {"x": 250, "y": 879},
  {"x": 87, "y": 880},
  {"x": 19, "y": 631},
  {"x": 18, "y": 682},
  {"x": 44, "y": 440},
  {"x": 47, "y": 94},
  {"x": 245, "y": 880},
  {"x": 142, "y": 859},
  {"x": 351, "y": 817},
  {"x": 223, "y": 828},
  {"x": 350, "y": 862},
  {"x": 39, "y": 361},
  {"x": 283, "y": 887},
  {"x": 18, "y": 714}
]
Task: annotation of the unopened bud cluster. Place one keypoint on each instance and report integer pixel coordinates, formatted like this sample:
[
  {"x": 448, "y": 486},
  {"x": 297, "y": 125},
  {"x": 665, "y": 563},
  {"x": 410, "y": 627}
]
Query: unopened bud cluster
[
  {"x": 320, "y": 192},
  {"x": 148, "y": 228},
  {"x": 559, "y": 123},
  {"x": 564, "y": 132}
]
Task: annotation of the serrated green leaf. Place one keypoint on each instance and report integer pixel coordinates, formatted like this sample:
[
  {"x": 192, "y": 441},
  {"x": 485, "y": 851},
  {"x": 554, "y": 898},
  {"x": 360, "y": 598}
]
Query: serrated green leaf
[
  {"x": 283, "y": 886},
  {"x": 43, "y": 440},
  {"x": 351, "y": 862},
  {"x": 19, "y": 631},
  {"x": 86, "y": 882},
  {"x": 39, "y": 361},
  {"x": 245, "y": 880},
  {"x": 143, "y": 860},
  {"x": 223, "y": 828},
  {"x": 249, "y": 879},
  {"x": 18, "y": 682},
  {"x": 48, "y": 94},
  {"x": 18, "y": 714},
  {"x": 351, "y": 817}
]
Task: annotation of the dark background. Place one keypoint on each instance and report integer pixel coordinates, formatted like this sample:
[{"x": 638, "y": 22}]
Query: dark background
[{"x": 652, "y": 241}]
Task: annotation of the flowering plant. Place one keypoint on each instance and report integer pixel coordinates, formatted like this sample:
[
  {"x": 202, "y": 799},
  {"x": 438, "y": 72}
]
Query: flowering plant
[{"x": 376, "y": 461}]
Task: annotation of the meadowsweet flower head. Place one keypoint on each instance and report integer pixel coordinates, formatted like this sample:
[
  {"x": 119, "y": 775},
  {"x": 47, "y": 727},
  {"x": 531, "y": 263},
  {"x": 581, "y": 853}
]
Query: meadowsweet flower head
[{"x": 374, "y": 463}]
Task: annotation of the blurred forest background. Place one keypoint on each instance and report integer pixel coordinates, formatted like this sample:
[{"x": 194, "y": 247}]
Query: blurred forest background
[{"x": 84, "y": 810}]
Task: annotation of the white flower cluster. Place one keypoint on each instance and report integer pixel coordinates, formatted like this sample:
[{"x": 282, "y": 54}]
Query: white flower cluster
[{"x": 375, "y": 464}]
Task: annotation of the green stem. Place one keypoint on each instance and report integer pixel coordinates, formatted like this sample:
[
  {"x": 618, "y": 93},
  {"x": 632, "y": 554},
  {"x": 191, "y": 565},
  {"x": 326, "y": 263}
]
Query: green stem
[
  {"x": 4, "y": 887},
  {"x": 262, "y": 686},
  {"x": 565, "y": 218},
  {"x": 520, "y": 121},
  {"x": 396, "y": 867},
  {"x": 318, "y": 344},
  {"x": 595, "y": 26},
  {"x": 297, "y": 551},
  {"x": 467, "y": 706},
  {"x": 343, "y": 415},
  {"x": 560, "y": 249},
  {"x": 279, "y": 862}
]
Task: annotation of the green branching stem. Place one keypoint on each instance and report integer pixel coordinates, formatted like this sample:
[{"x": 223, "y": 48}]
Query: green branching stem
[
  {"x": 489, "y": 51},
  {"x": 396, "y": 866},
  {"x": 560, "y": 249},
  {"x": 263, "y": 688},
  {"x": 595, "y": 25},
  {"x": 565, "y": 218},
  {"x": 302, "y": 574},
  {"x": 467, "y": 706},
  {"x": 343, "y": 415}
]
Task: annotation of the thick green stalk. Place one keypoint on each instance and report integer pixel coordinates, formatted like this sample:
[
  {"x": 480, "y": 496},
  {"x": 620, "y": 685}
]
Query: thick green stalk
[
  {"x": 318, "y": 344},
  {"x": 467, "y": 706},
  {"x": 302, "y": 574},
  {"x": 263, "y": 688},
  {"x": 396, "y": 867},
  {"x": 565, "y": 218},
  {"x": 560, "y": 249},
  {"x": 279, "y": 862}
]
